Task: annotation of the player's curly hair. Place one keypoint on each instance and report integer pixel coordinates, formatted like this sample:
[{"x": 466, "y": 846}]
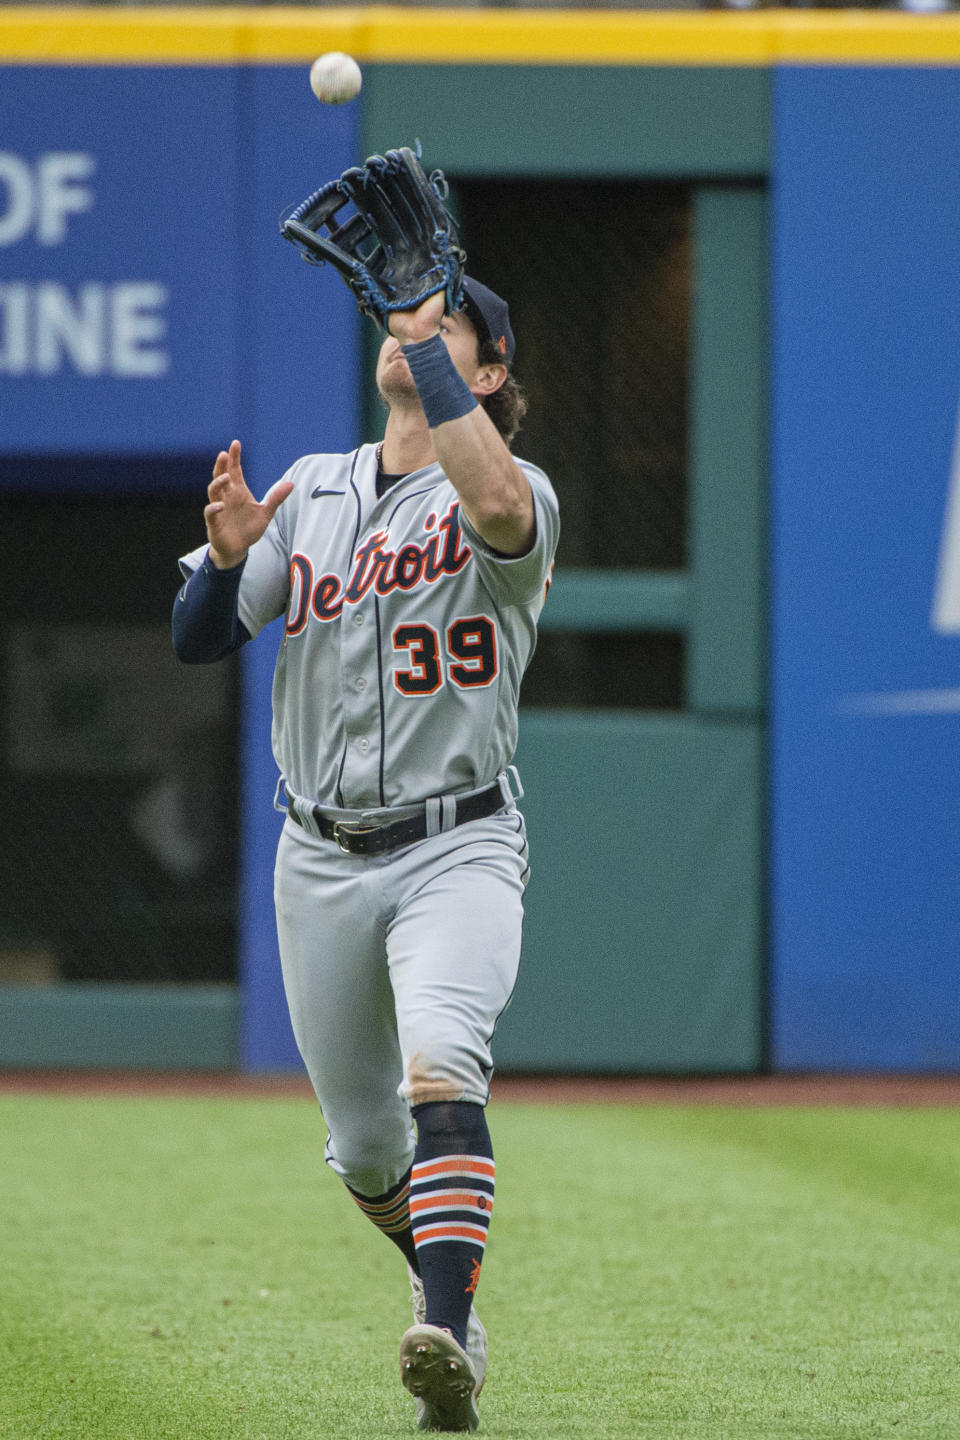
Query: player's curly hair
[{"x": 508, "y": 405}]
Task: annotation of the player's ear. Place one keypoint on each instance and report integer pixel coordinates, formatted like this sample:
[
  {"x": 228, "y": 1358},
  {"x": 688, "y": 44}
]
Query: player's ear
[{"x": 489, "y": 378}]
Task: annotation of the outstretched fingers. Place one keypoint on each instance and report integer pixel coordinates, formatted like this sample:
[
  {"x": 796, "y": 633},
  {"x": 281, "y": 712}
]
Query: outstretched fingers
[
  {"x": 235, "y": 519},
  {"x": 227, "y": 469},
  {"x": 276, "y": 495},
  {"x": 228, "y": 485}
]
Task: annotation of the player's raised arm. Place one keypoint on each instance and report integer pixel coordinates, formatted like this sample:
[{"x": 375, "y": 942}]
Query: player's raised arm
[
  {"x": 443, "y": 357},
  {"x": 235, "y": 520},
  {"x": 438, "y": 318}
]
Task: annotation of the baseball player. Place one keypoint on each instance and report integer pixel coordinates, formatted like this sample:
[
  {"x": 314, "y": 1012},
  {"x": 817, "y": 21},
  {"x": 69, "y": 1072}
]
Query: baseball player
[{"x": 411, "y": 575}]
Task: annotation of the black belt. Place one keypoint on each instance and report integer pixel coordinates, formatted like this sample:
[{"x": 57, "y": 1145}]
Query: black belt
[{"x": 377, "y": 839}]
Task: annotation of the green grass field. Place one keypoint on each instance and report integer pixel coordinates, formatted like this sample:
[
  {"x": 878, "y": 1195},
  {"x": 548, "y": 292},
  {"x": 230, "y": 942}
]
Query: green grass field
[{"x": 188, "y": 1268}]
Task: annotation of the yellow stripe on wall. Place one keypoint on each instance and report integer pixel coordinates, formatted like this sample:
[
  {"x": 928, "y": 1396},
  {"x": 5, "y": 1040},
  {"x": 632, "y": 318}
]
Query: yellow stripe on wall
[
  {"x": 865, "y": 37},
  {"x": 285, "y": 35}
]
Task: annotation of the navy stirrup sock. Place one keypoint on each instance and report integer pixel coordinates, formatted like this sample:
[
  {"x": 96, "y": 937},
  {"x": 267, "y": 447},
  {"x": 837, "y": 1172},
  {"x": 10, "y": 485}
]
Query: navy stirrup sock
[
  {"x": 451, "y": 1200},
  {"x": 390, "y": 1212}
]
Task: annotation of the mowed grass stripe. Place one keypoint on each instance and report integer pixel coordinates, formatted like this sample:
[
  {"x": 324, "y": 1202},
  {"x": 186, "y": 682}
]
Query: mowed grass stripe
[{"x": 188, "y": 1268}]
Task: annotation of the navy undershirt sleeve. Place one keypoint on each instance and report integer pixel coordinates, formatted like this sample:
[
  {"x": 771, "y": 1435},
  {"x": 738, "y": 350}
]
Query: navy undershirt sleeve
[{"x": 206, "y": 625}]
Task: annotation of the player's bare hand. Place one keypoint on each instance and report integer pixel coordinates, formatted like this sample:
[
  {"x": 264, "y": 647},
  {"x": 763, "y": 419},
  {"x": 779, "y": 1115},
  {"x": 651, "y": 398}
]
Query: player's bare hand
[
  {"x": 235, "y": 520},
  {"x": 411, "y": 326}
]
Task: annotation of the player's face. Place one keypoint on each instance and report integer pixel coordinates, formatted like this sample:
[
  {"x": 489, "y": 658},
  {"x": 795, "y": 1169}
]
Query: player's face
[{"x": 394, "y": 380}]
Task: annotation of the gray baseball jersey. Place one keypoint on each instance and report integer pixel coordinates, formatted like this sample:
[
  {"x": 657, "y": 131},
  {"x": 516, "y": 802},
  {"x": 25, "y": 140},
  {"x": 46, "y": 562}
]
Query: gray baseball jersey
[{"x": 406, "y": 635}]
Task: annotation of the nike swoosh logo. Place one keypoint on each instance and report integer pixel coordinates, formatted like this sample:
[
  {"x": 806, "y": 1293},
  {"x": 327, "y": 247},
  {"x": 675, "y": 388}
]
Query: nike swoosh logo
[{"x": 315, "y": 494}]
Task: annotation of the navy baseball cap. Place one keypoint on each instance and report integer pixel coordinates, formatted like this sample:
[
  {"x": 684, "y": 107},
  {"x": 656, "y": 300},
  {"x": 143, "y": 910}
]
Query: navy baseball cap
[{"x": 489, "y": 314}]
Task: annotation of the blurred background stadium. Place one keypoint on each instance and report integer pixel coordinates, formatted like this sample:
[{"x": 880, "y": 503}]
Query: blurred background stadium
[{"x": 730, "y": 248}]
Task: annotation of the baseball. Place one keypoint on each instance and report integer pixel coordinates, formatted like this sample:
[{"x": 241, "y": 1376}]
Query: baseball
[{"x": 335, "y": 78}]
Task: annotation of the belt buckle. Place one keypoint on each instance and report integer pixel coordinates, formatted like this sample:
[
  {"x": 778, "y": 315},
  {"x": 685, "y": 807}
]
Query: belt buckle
[{"x": 342, "y": 830}]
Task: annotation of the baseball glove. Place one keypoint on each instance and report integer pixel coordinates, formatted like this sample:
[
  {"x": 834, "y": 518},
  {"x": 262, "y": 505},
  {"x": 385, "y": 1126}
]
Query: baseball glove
[{"x": 396, "y": 246}]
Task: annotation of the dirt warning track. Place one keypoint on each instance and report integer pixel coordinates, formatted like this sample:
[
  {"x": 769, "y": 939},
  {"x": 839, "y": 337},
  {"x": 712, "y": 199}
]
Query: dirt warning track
[{"x": 748, "y": 1090}]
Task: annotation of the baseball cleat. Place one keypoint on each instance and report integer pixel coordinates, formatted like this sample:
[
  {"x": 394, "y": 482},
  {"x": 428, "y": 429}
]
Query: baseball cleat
[
  {"x": 437, "y": 1372},
  {"x": 476, "y": 1333}
]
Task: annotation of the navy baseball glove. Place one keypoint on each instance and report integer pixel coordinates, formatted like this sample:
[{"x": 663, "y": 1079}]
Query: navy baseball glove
[{"x": 398, "y": 243}]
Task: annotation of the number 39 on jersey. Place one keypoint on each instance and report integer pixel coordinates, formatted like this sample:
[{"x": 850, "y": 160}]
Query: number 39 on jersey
[{"x": 469, "y": 658}]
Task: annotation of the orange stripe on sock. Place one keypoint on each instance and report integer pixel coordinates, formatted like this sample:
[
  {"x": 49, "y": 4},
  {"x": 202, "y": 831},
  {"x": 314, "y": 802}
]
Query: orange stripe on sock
[
  {"x": 427, "y": 1233},
  {"x": 454, "y": 1165},
  {"x": 385, "y": 1206},
  {"x": 437, "y": 1200}
]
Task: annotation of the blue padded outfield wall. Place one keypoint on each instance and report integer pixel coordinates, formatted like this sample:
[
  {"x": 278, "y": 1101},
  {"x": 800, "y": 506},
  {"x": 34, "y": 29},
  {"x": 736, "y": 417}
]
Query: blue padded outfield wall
[
  {"x": 145, "y": 302},
  {"x": 865, "y": 570},
  {"x": 109, "y": 277}
]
